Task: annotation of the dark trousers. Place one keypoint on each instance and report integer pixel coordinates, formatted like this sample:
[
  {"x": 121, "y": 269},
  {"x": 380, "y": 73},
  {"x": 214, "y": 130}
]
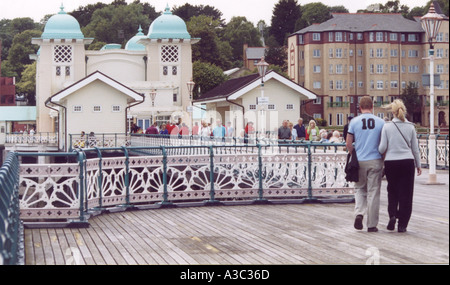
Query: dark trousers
[{"x": 400, "y": 177}]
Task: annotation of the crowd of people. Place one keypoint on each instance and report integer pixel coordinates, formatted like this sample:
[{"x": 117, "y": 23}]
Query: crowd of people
[{"x": 311, "y": 132}]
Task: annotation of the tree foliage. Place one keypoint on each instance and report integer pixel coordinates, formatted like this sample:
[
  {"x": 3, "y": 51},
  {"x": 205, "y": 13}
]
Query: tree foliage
[
  {"x": 285, "y": 15},
  {"x": 187, "y": 11},
  {"x": 411, "y": 99},
  {"x": 206, "y": 77}
]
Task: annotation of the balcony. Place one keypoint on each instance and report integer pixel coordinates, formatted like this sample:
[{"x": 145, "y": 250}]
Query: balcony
[
  {"x": 338, "y": 104},
  {"x": 438, "y": 103},
  {"x": 381, "y": 103}
]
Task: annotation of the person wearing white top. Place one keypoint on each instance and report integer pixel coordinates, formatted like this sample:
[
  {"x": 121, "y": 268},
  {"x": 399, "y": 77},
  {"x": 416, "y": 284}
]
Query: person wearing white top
[{"x": 401, "y": 151}]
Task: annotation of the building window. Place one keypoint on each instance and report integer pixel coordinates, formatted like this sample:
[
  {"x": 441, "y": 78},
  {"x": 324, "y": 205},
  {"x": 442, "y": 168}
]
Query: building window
[
  {"x": 174, "y": 70},
  {"x": 379, "y": 36},
  {"x": 394, "y": 84},
  {"x": 271, "y": 107},
  {"x": 371, "y": 37},
  {"x": 318, "y": 100},
  {"x": 360, "y": 52},
  {"x": 371, "y": 68},
  {"x": 440, "y": 52},
  {"x": 316, "y": 68},
  {"x": 380, "y": 84},
  {"x": 330, "y": 36},
  {"x": 380, "y": 115},
  {"x": 316, "y": 53},
  {"x": 165, "y": 70},
  {"x": 330, "y": 53},
  {"x": 379, "y": 68},
  {"x": 77, "y": 109},
  {"x": 300, "y": 39},
  {"x": 116, "y": 108},
  {"x": 316, "y": 36},
  {"x": 338, "y": 68},
  {"x": 169, "y": 53},
  {"x": 97, "y": 109},
  {"x": 338, "y": 53},
  {"x": 360, "y": 68},
  {"x": 413, "y": 38},
  {"x": 394, "y": 52},
  {"x": 289, "y": 106},
  {"x": 371, "y": 54},
  {"x": 339, "y": 85},
  {"x": 413, "y": 69},
  {"x": 393, "y": 36},
  {"x": 360, "y": 84},
  {"x": 317, "y": 116},
  {"x": 331, "y": 84},
  {"x": 394, "y": 68},
  {"x": 338, "y": 36},
  {"x": 316, "y": 85},
  {"x": 252, "y": 107},
  {"x": 359, "y": 36},
  {"x": 67, "y": 70},
  {"x": 175, "y": 97},
  {"x": 440, "y": 37},
  {"x": 62, "y": 54},
  {"x": 379, "y": 52},
  {"x": 340, "y": 119},
  {"x": 58, "y": 71},
  {"x": 439, "y": 68},
  {"x": 413, "y": 53}
]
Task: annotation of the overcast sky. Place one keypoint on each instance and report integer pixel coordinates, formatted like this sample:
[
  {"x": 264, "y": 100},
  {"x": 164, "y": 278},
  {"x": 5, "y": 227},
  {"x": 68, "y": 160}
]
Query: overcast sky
[{"x": 253, "y": 10}]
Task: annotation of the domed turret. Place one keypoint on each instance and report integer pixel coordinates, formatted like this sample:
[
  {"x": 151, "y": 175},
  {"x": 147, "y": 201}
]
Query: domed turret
[
  {"x": 62, "y": 26},
  {"x": 133, "y": 44},
  {"x": 168, "y": 26}
]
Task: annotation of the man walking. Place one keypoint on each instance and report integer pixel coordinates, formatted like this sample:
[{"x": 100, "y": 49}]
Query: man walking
[
  {"x": 365, "y": 132},
  {"x": 301, "y": 130}
]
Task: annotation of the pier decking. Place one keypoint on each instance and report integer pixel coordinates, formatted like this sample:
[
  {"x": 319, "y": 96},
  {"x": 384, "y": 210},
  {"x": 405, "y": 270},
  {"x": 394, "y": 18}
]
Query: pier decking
[{"x": 257, "y": 234}]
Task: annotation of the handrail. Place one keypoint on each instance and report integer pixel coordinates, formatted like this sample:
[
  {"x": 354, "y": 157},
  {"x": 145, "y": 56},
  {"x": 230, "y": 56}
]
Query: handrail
[
  {"x": 11, "y": 229},
  {"x": 167, "y": 175}
]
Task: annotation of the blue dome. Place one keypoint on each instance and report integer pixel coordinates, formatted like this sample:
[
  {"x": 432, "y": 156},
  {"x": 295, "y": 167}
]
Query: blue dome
[
  {"x": 168, "y": 26},
  {"x": 62, "y": 26},
  {"x": 132, "y": 44}
]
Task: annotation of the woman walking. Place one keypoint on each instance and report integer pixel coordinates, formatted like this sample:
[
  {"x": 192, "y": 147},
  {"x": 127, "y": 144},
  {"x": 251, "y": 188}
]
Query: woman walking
[{"x": 400, "y": 148}]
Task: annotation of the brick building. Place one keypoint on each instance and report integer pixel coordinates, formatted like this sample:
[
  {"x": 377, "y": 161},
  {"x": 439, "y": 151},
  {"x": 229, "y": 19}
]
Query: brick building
[
  {"x": 7, "y": 87},
  {"x": 353, "y": 55}
]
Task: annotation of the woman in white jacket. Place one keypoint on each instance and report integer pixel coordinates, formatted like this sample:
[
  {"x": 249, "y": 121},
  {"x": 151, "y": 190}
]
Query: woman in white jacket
[{"x": 401, "y": 150}]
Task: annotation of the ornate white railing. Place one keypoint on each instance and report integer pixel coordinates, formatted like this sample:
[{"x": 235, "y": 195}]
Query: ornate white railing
[
  {"x": 262, "y": 174},
  {"x": 35, "y": 139}
]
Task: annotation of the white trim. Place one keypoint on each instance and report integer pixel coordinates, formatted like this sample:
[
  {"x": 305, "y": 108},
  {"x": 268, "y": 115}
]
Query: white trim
[
  {"x": 91, "y": 78},
  {"x": 271, "y": 75}
]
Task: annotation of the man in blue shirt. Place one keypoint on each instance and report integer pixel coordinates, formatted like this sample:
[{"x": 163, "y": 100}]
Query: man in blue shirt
[
  {"x": 300, "y": 128},
  {"x": 365, "y": 132},
  {"x": 219, "y": 131}
]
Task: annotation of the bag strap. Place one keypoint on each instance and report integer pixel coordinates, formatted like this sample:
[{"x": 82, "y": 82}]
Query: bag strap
[{"x": 401, "y": 134}]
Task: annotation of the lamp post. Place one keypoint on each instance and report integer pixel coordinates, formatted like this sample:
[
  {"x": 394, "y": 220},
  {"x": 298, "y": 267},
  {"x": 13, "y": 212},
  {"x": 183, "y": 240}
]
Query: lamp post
[
  {"x": 262, "y": 69},
  {"x": 153, "y": 97},
  {"x": 431, "y": 23},
  {"x": 190, "y": 86}
]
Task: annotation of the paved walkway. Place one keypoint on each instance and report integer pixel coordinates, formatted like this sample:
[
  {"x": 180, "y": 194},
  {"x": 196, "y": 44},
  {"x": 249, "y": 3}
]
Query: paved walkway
[{"x": 263, "y": 234}]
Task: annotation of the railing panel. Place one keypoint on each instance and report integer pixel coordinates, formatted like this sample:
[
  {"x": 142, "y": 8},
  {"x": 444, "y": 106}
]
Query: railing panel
[{"x": 49, "y": 191}]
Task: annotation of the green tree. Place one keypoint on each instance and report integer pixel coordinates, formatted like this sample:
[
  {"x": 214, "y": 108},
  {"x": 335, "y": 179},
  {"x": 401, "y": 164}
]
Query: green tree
[
  {"x": 21, "y": 48},
  {"x": 117, "y": 23},
  {"x": 276, "y": 54},
  {"x": 411, "y": 99},
  {"x": 210, "y": 48},
  {"x": 238, "y": 32},
  {"x": 206, "y": 77},
  {"x": 187, "y": 11},
  {"x": 284, "y": 17},
  {"x": 316, "y": 12},
  {"x": 27, "y": 83}
]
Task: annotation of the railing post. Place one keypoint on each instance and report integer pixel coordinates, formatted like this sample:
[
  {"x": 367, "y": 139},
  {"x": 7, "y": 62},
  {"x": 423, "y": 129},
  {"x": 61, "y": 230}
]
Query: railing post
[
  {"x": 100, "y": 178},
  {"x": 127, "y": 178},
  {"x": 165, "y": 203},
  {"x": 310, "y": 198},
  {"x": 260, "y": 199},
  {"x": 70, "y": 143},
  {"x": 212, "y": 197},
  {"x": 81, "y": 191}
]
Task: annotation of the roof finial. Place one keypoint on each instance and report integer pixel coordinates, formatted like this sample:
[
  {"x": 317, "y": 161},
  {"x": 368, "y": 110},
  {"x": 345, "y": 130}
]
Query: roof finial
[
  {"x": 62, "y": 9},
  {"x": 167, "y": 10}
]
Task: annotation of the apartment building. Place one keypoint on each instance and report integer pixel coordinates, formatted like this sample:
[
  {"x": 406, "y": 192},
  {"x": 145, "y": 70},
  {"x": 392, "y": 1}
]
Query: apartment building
[{"x": 354, "y": 55}]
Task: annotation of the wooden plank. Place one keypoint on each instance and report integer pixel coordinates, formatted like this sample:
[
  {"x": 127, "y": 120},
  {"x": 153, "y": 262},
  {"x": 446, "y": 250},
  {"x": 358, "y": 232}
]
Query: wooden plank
[
  {"x": 56, "y": 247},
  {"x": 38, "y": 248},
  {"x": 29, "y": 248}
]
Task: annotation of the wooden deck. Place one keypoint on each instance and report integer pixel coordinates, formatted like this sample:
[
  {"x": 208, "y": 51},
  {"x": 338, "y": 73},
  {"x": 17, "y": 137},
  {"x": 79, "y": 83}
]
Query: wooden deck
[{"x": 259, "y": 234}]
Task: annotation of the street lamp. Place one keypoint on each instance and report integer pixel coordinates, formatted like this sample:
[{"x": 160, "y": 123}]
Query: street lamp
[
  {"x": 190, "y": 86},
  {"x": 262, "y": 69},
  {"x": 153, "y": 97},
  {"x": 431, "y": 23}
]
